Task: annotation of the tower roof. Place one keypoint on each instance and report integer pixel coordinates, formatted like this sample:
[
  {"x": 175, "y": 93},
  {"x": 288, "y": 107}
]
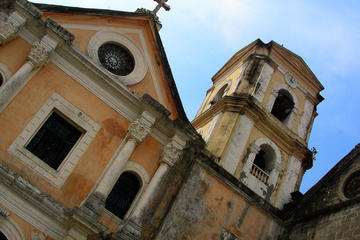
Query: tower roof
[{"x": 259, "y": 47}]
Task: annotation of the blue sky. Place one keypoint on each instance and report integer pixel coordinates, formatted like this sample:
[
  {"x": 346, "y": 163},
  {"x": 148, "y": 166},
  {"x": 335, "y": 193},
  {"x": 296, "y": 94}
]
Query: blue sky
[{"x": 200, "y": 36}]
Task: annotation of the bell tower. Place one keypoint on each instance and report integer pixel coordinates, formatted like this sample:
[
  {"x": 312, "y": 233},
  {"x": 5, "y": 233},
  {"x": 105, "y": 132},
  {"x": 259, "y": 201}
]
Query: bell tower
[{"x": 257, "y": 118}]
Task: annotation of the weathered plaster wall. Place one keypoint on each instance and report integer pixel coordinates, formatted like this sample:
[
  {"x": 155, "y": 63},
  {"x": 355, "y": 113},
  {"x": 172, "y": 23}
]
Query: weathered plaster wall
[
  {"x": 11, "y": 60},
  {"x": 83, "y": 26},
  {"x": 16, "y": 225},
  {"x": 113, "y": 129},
  {"x": 206, "y": 207}
]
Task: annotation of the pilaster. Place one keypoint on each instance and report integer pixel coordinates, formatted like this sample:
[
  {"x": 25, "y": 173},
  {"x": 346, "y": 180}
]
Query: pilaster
[
  {"x": 137, "y": 132},
  {"x": 38, "y": 57}
]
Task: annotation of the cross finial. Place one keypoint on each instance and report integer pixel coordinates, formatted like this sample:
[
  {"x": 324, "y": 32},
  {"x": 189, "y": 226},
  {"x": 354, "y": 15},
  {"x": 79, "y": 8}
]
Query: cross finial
[{"x": 161, "y": 4}]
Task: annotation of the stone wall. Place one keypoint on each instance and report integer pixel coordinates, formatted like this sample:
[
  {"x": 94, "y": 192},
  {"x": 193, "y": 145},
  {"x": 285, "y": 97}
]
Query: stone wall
[
  {"x": 324, "y": 212},
  {"x": 214, "y": 205},
  {"x": 340, "y": 225}
]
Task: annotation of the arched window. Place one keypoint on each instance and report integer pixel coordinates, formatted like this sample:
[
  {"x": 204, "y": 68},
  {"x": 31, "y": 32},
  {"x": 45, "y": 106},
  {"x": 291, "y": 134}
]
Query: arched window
[
  {"x": 123, "y": 194},
  {"x": 219, "y": 94},
  {"x": 283, "y": 105},
  {"x": 2, "y": 236},
  {"x": 263, "y": 163}
]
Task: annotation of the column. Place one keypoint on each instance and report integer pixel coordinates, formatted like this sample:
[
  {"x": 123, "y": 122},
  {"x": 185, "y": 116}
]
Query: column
[
  {"x": 169, "y": 156},
  {"x": 136, "y": 133},
  {"x": 10, "y": 28},
  {"x": 38, "y": 57}
]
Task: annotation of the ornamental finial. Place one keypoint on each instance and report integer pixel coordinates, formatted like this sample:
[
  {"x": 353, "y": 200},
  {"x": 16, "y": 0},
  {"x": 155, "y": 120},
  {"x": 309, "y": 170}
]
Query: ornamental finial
[{"x": 161, "y": 4}]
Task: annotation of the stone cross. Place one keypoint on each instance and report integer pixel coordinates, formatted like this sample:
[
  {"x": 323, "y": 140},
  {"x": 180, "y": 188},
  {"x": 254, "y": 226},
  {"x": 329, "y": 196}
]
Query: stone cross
[{"x": 161, "y": 4}]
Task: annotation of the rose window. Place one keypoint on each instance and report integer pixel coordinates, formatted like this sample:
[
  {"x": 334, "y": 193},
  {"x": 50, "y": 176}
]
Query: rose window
[
  {"x": 116, "y": 59},
  {"x": 352, "y": 185}
]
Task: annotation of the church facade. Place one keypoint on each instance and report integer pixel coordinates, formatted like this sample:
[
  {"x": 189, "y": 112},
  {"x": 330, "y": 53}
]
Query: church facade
[{"x": 95, "y": 143}]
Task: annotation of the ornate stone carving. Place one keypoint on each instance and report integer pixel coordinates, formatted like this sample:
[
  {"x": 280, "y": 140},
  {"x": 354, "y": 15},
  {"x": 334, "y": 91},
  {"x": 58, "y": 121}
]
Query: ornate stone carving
[
  {"x": 138, "y": 130},
  {"x": 170, "y": 154},
  {"x": 8, "y": 32},
  {"x": 4, "y": 213},
  {"x": 39, "y": 54},
  {"x": 226, "y": 235},
  {"x": 10, "y": 28}
]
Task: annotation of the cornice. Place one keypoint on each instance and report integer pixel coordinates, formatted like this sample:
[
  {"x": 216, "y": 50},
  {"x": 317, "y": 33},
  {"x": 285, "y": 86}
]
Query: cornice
[
  {"x": 82, "y": 69},
  {"x": 245, "y": 104},
  {"x": 235, "y": 58}
]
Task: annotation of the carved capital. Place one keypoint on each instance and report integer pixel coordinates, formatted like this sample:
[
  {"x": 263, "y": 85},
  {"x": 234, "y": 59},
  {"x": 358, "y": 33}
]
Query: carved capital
[
  {"x": 39, "y": 55},
  {"x": 170, "y": 154},
  {"x": 41, "y": 51},
  {"x": 10, "y": 28},
  {"x": 8, "y": 32},
  {"x": 141, "y": 127},
  {"x": 138, "y": 131}
]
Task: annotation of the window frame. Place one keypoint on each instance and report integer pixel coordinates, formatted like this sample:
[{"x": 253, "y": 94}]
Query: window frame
[
  {"x": 65, "y": 109},
  {"x": 291, "y": 118},
  {"x": 116, "y": 37},
  {"x": 5, "y": 73},
  {"x": 144, "y": 179},
  {"x": 253, "y": 182}
]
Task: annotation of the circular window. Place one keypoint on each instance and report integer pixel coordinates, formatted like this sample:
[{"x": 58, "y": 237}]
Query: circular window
[
  {"x": 116, "y": 59},
  {"x": 352, "y": 185},
  {"x": 119, "y": 54}
]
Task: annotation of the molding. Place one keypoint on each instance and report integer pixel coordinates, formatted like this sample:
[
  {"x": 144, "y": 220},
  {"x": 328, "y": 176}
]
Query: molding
[
  {"x": 10, "y": 229},
  {"x": 59, "y": 176},
  {"x": 105, "y": 36},
  {"x": 138, "y": 170},
  {"x": 106, "y": 88},
  {"x": 264, "y": 190},
  {"x": 31, "y": 213},
  {"x": 144, "y": 178},
  {"x": 156, "y": 81}
]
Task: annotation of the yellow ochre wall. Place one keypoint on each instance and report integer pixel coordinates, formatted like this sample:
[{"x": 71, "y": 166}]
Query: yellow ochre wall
[
  {"x": 50, "y": 79},
  {"x": 77, "y": 25}
]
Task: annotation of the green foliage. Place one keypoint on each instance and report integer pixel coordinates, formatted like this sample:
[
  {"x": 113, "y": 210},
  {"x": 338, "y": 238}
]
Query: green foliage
[{"x": 314, "y": 152}]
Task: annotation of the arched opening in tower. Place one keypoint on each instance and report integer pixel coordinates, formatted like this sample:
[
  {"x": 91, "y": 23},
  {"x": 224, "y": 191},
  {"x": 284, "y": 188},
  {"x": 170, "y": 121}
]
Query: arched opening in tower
[{"x": 283, "y": 105}]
